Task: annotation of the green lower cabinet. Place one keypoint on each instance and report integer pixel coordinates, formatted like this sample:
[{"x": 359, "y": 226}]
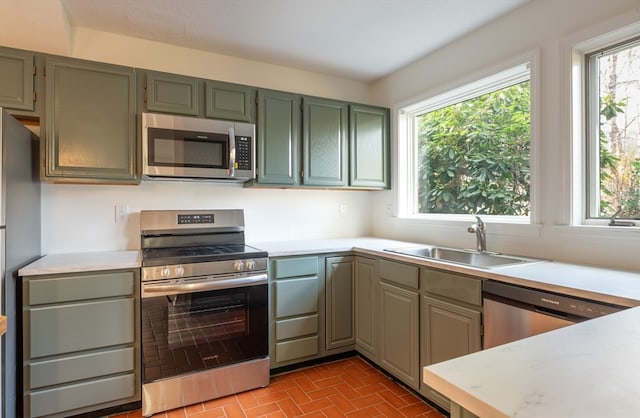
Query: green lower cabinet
[
  {"x": 451, "y": 321},
  {"x": 459, "y": 412},
  {"x": 339, "y": 297},
  {"x": 81, "y": 343},
  {"x": 366, "y": 289},
  {"x": 295, "y": 302},
  {"x": 399, "y": 333}
]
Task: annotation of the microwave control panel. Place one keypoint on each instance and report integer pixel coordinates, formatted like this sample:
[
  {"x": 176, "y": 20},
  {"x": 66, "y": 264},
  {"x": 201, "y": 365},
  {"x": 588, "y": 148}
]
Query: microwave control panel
[{"x": 243, "y": 153}]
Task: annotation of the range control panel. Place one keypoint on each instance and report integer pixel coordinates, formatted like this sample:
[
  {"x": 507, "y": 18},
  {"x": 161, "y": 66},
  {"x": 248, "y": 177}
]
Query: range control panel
[{"x": 192, "y": 218}]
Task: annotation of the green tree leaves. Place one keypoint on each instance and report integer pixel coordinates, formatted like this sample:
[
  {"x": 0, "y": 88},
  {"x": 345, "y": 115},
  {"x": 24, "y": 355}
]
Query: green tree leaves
[{"x": 474, "y": 155}]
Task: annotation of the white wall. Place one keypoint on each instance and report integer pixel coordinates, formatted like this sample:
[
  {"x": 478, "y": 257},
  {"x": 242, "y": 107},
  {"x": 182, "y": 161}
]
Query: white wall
[
  {"x": 546, "y": 26},
  {"x": 82, "y": 217}
]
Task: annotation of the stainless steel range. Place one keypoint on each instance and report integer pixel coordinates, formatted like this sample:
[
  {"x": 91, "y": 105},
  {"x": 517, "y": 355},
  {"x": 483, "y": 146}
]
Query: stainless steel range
[{"x": 204, "y": 308}]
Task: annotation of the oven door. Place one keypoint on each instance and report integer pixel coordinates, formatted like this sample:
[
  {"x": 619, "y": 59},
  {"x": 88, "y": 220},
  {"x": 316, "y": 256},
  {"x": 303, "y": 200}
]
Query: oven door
[{"x": 191, "y": 325}]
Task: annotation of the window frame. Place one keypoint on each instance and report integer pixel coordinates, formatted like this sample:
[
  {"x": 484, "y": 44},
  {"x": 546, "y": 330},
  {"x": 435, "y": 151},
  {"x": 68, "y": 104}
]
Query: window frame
[
  {"x": 499, "y": 76},
  {"x": 584, "y": 129}
]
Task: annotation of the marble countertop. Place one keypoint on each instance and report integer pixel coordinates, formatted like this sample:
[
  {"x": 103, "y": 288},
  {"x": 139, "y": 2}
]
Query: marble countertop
[
  {"x": 590, "y": 369},
  {"x": 81, "y": 262},
  {"x": 604, "y": 285},
  {"x": 601, "y": 284}
]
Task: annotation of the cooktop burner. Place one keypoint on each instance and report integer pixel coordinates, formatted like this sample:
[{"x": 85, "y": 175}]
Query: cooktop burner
[{"x": 199, "y": 254}]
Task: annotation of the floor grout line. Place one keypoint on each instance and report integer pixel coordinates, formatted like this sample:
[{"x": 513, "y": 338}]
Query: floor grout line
[{"x": 323, "y": 391}]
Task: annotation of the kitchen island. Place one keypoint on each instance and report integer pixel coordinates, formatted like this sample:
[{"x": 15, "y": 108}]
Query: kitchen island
[{"x": 590, "y": 369}]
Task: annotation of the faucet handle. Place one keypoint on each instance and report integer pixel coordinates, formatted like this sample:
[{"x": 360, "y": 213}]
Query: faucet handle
[{"x": 480, "y": 223}]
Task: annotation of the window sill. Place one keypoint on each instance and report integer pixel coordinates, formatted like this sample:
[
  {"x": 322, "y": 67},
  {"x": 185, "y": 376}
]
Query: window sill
[{"x": 600, "y": 231}]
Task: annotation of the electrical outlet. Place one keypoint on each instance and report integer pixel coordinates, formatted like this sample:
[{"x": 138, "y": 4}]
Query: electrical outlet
[
  {"x": 121, "y": 212},
  {"x": 342, "y": 210}
]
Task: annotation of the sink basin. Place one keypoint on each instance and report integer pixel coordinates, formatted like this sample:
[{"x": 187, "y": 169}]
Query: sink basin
[{"x": 468, "y": 257}]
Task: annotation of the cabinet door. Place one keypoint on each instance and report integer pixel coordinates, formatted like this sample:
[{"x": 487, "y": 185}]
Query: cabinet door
[
  {"x": 278, "y": 129},
  {"x": 399, "y": 333},
  {"x": 448, "y": 331},
  {"x": 339, "y": 275},
  {"x": 171, "y": 93},
  {"x": 368, "y": 146},
  {"x": 366, "y": 301},
  {"x": 91, "y": 122},
  {"x": 229, "y": 101},
  {"x": 16, "y": 80},
  {"x": 324, "y": 139}
]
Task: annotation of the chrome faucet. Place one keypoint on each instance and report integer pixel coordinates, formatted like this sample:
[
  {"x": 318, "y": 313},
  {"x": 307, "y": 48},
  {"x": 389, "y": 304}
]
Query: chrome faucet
[
  {"x": 614, "y": 222},
  {"x": 481, "y": 234}
]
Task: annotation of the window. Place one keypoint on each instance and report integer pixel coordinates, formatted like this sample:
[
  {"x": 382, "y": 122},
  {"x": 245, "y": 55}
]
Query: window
[
  {"x": 613, "y": 131},
  {"x": 468, "y": 150}
]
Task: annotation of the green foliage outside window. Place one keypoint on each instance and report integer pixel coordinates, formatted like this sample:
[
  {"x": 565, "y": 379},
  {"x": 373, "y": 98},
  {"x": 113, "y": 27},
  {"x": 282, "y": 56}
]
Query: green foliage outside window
[{"x": 474, "y": 155}]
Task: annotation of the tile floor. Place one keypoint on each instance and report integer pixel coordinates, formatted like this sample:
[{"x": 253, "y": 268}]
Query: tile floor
[{"x": 344, "y": 388}]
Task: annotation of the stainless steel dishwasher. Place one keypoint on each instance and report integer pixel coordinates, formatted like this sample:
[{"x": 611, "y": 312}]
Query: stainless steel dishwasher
[{"x": 513, "y": 312}]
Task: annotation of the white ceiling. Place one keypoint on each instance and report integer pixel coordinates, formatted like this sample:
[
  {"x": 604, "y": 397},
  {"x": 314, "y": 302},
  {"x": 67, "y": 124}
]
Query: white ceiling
[{"x": 356, "y": 39}]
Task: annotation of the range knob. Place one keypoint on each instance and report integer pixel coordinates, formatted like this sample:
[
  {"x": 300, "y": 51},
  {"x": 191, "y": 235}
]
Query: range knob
[
  {"x": 251, "y": 265},
  {"x": 165, "y": 272},
  {"x": 238, "y": 265},
  {"x": 179, "y": 271}
]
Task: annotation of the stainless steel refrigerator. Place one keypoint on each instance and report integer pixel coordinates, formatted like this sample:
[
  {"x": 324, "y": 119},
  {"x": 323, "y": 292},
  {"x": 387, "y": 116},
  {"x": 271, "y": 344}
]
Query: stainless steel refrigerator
[{"x": 19, "y": 238}]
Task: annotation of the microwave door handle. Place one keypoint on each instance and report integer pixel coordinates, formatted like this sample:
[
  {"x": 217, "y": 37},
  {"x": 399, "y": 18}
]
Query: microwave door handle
[{"x": 232, "y": 152}]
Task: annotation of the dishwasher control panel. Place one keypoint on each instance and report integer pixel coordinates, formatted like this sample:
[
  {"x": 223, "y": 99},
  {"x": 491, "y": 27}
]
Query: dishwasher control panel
[{"x": 543, "y": 300}]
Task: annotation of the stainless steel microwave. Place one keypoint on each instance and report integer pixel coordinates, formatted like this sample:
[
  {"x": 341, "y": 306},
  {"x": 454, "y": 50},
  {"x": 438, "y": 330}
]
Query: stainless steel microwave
[{"x": 179, "y": 147}]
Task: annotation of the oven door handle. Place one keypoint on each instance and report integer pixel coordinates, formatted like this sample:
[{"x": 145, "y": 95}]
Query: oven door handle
[{"x": 150, "y": 289}]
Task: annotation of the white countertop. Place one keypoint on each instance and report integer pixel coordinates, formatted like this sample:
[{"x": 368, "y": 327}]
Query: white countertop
[
  {"x": 601, "y": 284},
  {"x": 82, "y": 262},
  {"x": 590, "y": 369}
]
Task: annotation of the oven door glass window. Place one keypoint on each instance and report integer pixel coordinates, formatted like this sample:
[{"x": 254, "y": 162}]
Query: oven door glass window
[{"x": 197, "y": 331}]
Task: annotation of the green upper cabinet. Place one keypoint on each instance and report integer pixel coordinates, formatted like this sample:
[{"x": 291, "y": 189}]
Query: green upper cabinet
[
  {"x": 278, "y": 131},
  {"x": 325, "y": 143},
  {"x": 91, "y": 122},
  {"x": 171, "y": 93},
  {"x": 229, "y": 101},
  {"x": 316, "y": 142},
  {"x": 368, "y": 146},
  {"x": 17, "y": 79}
]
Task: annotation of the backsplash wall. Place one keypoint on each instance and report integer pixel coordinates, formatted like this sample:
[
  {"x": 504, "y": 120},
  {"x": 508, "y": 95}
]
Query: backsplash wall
[{"x": 82, "y": 217}]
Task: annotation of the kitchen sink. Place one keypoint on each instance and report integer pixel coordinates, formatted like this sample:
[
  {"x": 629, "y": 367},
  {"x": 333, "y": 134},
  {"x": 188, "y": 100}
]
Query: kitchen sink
[{"x": 468, "y": 257}]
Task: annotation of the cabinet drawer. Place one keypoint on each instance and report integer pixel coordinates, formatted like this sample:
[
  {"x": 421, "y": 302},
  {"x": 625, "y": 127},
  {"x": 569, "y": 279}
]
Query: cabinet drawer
[
  {"x": 399, "y": 273},
  {"x": 80, "y": 326},
  {"x": 453, "y": 286},
  {"x": 292, "y": 267},
  {"x": 296, "y": 296},
  {"x": 71, "y": 397},
  {"x": 296, "y": 327},
  {"x": 90, "y": 286},
  {"x": 303, "y": 347},
  {"x": 84, "y": 366}
]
